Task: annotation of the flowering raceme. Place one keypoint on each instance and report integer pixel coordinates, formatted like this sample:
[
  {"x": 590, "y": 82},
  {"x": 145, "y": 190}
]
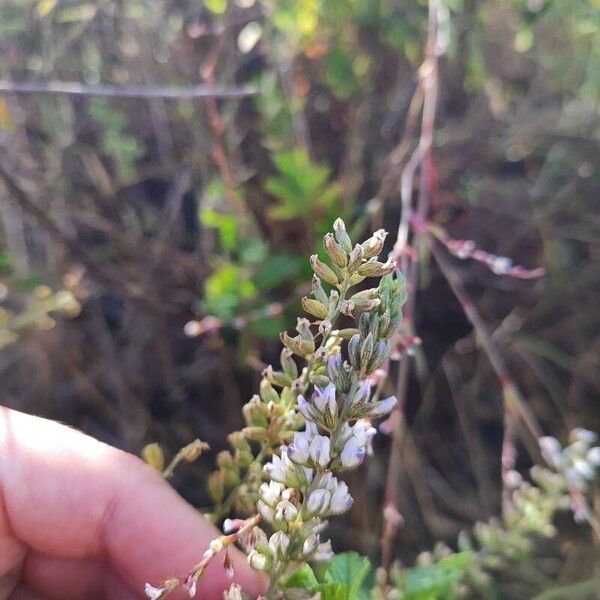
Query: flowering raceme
[{"x": 317, "y": 425}]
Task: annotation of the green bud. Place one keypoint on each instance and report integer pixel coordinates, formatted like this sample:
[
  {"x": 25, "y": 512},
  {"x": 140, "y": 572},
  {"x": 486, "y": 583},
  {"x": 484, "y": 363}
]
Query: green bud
[
  {"x": 154, "y": 456},
  {"x": 256, "y": 434},
  {"x": 288, "y": 364},
  {"x": 216, "y": 486},
  {"x": 323, "y": 271},
  {"x": 346, "y": 334},
  {"x": 317, "y": 290},
  {"x": 335, "y": 251},
  {"x": 267, "y": 392},
  {"x": 314, "y": 307},
  {"x": 341, "y": 235}
]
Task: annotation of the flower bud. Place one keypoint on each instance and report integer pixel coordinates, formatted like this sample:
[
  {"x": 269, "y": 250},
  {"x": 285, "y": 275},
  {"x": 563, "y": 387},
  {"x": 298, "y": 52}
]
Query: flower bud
[
  {"x": 318, "y": 501},
  {"x": 374, "y": 245},
  {"x": 314, "y": 307},
  {"x": 278, "y": 544},
  {"x": 318, "y": 292},
  {"x": 341, "y": 235},
  {"x": 288, "y": 364},
  {"x": 154, "y": 456},
  {"x": 323, "y": 271},
  {"x": 352, "y": 454},
  {"x": 257, "y": 560},
  {"x": 335, "y": 251},
  {"x": 355, "y": 258},
  {"x": 354, "y": 351},
  {"x": 310, "y": 545},
  {"x": 374, "y": 268}
]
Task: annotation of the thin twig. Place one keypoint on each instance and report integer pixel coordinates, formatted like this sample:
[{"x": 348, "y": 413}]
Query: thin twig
[
  {"x": 419, "y": 158},
  {"x": 74, "y": 88}
]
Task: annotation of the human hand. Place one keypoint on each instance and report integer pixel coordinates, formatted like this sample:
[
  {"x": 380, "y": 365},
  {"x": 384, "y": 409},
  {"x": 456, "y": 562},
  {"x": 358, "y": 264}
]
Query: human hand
[{"x": 80, "y": 519}]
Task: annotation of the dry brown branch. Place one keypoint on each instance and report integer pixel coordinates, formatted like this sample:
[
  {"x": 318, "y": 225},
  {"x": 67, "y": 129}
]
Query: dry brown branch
[{"x": 74, "y": 88}]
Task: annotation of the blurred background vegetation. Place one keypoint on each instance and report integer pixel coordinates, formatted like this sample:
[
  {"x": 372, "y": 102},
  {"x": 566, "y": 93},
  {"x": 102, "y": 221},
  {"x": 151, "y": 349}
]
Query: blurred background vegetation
[{"x": 152, "y": 248}]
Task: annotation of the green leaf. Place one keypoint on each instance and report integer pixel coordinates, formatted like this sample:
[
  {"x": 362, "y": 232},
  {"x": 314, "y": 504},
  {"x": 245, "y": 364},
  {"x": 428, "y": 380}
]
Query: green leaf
[
  {"x": 225, "y": 224},
  {"x": 304, "y": 578},
  {"x": 276, "y": 269},
  {"x": 435, "y": 582},
  {"x": 216, "y": 6},
  {"x": 332, "y": 591},
  {"x": 349, "y": 569}
]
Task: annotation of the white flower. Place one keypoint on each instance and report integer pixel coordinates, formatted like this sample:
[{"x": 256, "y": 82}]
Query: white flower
[
  {"x": 383, "y": 407},
  {"x": 324, "y": 552},
  {"x": 154, "y": 593},
  {"x": 341, "y": 500},
  {"x": 310, "y": 545},
  {"x": 320, "y": 450},
  {"x": 298, "y": 451},
  {"x": 325, "y": 399},
  {"x": 257, "y": 560},
  {"x": 286, "y": 511},
  {"x": 584, "y": 435},
  {"x": 593, "y": 456},
  {"x": 233, "y": 593},
  {"x": 352, "y": 454},
  {"x": 266, "y": 512},
  {"x": 318, "y": 501},
  {"x": 278, "y": 543},
  {"x": 303, "y": 407},
  {"x": 276, "y": 468},
  {"x": 364, "y": 432},
  {"x": 270, "y": 492},
  {"x": 551, "y": 450},
  {"x": 584, "y": 468}
]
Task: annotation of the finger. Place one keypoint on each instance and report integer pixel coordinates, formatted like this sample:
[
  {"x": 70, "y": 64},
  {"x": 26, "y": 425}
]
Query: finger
[
  {"x": 68, "y": 495},
  {"x": 25, "y": 593},
  {"x": 74, "y": 579}
]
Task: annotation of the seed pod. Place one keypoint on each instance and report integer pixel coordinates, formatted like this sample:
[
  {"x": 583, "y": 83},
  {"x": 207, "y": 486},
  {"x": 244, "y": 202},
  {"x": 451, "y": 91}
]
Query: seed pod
[
  {"x": 341, "y": 235},
  {"x": 318, "y": 291},
  {"x": 355, "y": 258},
  {"x": 323, "y": 271},
  {"x": 314, "y": 307},
  {"x": 335, "y": 251},
  {"x": 320, "y": 381}
]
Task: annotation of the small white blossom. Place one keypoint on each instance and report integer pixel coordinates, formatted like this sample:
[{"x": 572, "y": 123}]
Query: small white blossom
[
  {"x": 318, "y": 501},
  {"x": 352, "y": 454},
  {"x": 324, "y": 552},
  {"x": 278, "y": 543},
  {"x": 257, "y": 560},
  {"x": 270, "y": 492},
  {"x": 320, "y": 450},
  {"x": 551, "y": 450},
  {"x": 310, "y": 545},
  {"x": 341, "y": 500},
  {"x": 383, "y": 407}
]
